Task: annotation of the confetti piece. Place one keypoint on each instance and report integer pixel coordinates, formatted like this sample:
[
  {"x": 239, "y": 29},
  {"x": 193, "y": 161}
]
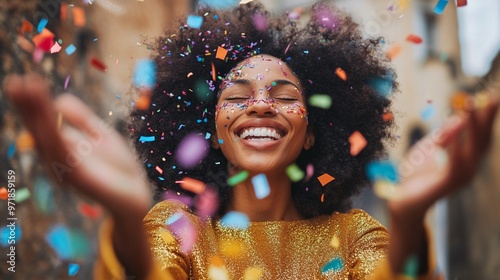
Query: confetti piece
[
  {"x": 335, "y": 264},
  {"x": 322, "y": 101},
  {"x": 325, "y": 179},
  {"x": 159, "y": 169},
  {"x": 79, "y": 16},
  {"x": 335, "y": 242},
  {"x": 260, "y": 21},
  {"x": 428, "y": 112},
  {"x": 44, "y": 40},
  {"x": 382, "y": 85},
  {"x": 26, "y": 27},
  {"x": 294, "y": 173},
  {"x": 43, "y": 195},
  {"x": 41, "y": 24},
  {"x": 66, "y": 82},
  {"x": 55, "y": 48},
  {"x": 192, "y": 185},
  {"x": 440, "y": 6},
  {"x": 38, "y": 55},
  {"x": 461, "y": 3},
  {"x": 217, "y": 273},
  {"x": 221, "y": 53},
  {"x": 25, "y": 142},
  {"x": 25, "y": 44},
  {"x": 73, "y": 269},
  {"x": 98, "y": 64},
  {"x": 68, "y": 244},
  {"x": 191, "y": 150},
  {"x": 253, "y": 273},
  {"x": 144, "y": 101},
  {"x": 147, "y": 139},
  {"x": 358, "y": 143},
  {"x": 382, "y": 170},
  {"x": 341, "y": 73},
  {"x": 387, "y": 116},
  {"x": 70, "y": 49},
  {"x": 237, "y": 178},
  {"x": 207, "y": 203},
  {"x": 22, "y": 195},
  {"x": 183, "y": 230},
  {"x": 322, "y": 197},
  {"x": 3, "y": 193},
  {"x": 261, "y": 186},
  {"x": 194, "y": 22},
  {"x": 326, "y": 18},
  {"x": 242, "y": 2},
  {"x": 216, "y": 261},
  {"x": 234, "y": 219},
  {"x": 460, "y": 101},
  {"x": 309, "y": 172},
  {"x": 411, "y": 267},
  {"x": 385, "y": 189},
  {"x": 414, "y": 39},
  {"x": 232, "y": 248},
  {"x": 184, "y": 199},
  {"x": 214, "y": 75},
  {"x": 394, "y": 51},
  {"x": 220, "y": 4},
  {"x": 11, "y": 150},
  {"x": 145, "y": 74},
  {"x": 5, "y": 234},
  {"x": 89, "y": 211}
]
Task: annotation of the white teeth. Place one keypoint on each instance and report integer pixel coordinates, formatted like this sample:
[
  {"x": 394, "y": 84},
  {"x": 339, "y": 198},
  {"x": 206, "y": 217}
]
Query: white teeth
[{"x": 268, "y": 133}]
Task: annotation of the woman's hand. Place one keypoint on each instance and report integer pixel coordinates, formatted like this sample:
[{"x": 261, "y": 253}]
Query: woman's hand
[{"x": 89, "y": 155}]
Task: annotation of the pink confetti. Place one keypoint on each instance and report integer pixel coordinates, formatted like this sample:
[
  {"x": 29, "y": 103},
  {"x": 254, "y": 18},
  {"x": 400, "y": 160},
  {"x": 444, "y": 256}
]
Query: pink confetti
[
  {"x": 55, "y": 48},
  {"x": 207, "y": 203},
  {"x": 183, "y": 230},
  {"x": 260, "y": 21},
  {"x": 192, "y": 149},
  {"x": 309, "y": 172},
  {"x": 66, "y": 82}
]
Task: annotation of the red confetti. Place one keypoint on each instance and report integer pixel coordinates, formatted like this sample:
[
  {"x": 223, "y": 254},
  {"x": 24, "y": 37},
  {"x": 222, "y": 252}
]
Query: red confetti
[
  {"x": 92, "y": 212},
  {"x": 3, "y": 193},
  {"x": 98, "y": 64},
  {"x": 414, "y": 39},
  {"x": 461, "y": 3}
]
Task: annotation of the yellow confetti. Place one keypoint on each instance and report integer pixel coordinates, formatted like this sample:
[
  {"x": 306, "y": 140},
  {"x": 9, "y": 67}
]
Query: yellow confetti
[
  {"x": 385, "y": 190},
  {"x": 253, "y": 273},
  {"x": 335, "y": 242},
  {"x": 167, "y": 236},
  {"x": 232, "y": 248}
]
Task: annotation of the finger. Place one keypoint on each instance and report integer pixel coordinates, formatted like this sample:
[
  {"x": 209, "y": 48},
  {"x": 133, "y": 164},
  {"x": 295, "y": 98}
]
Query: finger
[
  {"x": 450, "y": 130},
  {"x": 31, "y": 96}
]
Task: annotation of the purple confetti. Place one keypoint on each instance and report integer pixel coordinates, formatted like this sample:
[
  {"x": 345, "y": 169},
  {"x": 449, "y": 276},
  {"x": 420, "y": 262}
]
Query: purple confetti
[{"x": 192, "y": 149}]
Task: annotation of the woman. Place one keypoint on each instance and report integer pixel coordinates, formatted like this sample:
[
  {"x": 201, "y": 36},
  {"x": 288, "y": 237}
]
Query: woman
[{"x": 259, "y": 122}]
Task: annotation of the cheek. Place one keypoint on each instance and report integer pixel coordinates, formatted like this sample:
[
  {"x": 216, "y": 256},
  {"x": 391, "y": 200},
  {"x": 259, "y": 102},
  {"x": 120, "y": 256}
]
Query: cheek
[{"x": 295, "y": 110}]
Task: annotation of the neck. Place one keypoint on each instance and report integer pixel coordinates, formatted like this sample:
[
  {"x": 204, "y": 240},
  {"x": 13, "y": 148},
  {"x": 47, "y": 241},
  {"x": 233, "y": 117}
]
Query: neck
[{"x": 277, "y": 206}]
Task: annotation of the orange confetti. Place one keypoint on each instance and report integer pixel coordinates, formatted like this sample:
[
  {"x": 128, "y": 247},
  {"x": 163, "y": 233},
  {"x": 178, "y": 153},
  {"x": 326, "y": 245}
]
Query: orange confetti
[
  {"x": 3, "y": 193},
  {"x": 322, "y": 197},
  {"x": 387, "y": 116},
  {"x": 192, "y": 185},
  {"x": 221, "y": 53},
  {"x": 213, "y": 72},
  {"x": 414, "y": 39},
  {"x": 358, "y": 143},
  {"x": 63, "y": 11},
  {"x": 26, "y": 27},
  {"x": 325, "y": 179},
  {"x": 216, "y": 261},
  {"x": 341, "y": 73},
  {"x": 79, "y": 16},
  {"x": 143, "y": 102},
  {"x": 25, "y": 44},
  {"x": 44, "y": 40},
  {"x": 394, "y": 51},
  {"x": 460, "y": 101},
  {"x": 25, "y": 142}
]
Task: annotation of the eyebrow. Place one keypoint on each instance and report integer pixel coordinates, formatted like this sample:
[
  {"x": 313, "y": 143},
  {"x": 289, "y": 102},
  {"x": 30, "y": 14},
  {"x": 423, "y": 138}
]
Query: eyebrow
[
  {"x": 285, "y": 82},
  {"x": 280, "y": 82}
]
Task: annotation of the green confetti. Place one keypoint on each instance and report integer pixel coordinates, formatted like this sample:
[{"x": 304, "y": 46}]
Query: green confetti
[
  {"x": 411, "y": 267},
  {"x": 22, "y": 195},
  {"x": 335, "y": 264},
  {"x": 237, "y": 178},
  {"x": 294, "y": 173},
  {"x": 322, "y": 101}
]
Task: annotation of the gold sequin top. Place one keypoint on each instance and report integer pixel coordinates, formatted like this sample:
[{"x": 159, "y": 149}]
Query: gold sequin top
[{"x": 349, "y": 245}]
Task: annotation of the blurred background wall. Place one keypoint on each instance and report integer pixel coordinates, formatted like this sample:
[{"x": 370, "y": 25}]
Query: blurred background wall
[{"x": 457, "y": 55}]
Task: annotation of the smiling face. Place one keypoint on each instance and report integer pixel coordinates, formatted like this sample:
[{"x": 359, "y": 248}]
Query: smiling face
[{"x": 261, "y": 118}]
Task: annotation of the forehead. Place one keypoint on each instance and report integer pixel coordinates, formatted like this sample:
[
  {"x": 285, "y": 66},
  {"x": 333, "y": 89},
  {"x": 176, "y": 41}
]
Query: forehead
[{"x": 266, "y": 66}]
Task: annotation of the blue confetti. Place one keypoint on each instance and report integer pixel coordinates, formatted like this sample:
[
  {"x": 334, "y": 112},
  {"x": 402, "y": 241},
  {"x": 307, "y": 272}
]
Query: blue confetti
[
  {"x": 146, "y": 139},
  {"x": 68, "y": 244},
  {"x": 10, "y": 235},
  {"x": 208, "y": 135},
  {"x": 145, "y": 73},
  {"x": 334, "y": 265},
  {"x": 382, "y": 170},
  {"x": 43, "y": 195},
  {"x": 41, "y": 25},
  {"x": 261, "y": 186},
  {"x": 70, "y": 49},
  {"x": 440, "y": 6},
  {"x": 73, "y": 269},
  {"x": 11, "y": 150},
  {"x": 428, "y": 112},
  {"x": 236, "y": 220},
  {"x": 221, "y": 141},
  {"x": 174, "y": 218},
  {"x": 194, "y": 21},
  {"x": 382, "y": 85},
  {"x": 220, "y": 4}
]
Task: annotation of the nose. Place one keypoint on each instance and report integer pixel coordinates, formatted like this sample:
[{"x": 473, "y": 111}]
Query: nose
[{"x": 262, "y": 106}]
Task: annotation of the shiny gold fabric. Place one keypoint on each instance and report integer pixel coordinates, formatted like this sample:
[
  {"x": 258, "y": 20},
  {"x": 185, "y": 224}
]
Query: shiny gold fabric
[{"x": 271, "y": 250}]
